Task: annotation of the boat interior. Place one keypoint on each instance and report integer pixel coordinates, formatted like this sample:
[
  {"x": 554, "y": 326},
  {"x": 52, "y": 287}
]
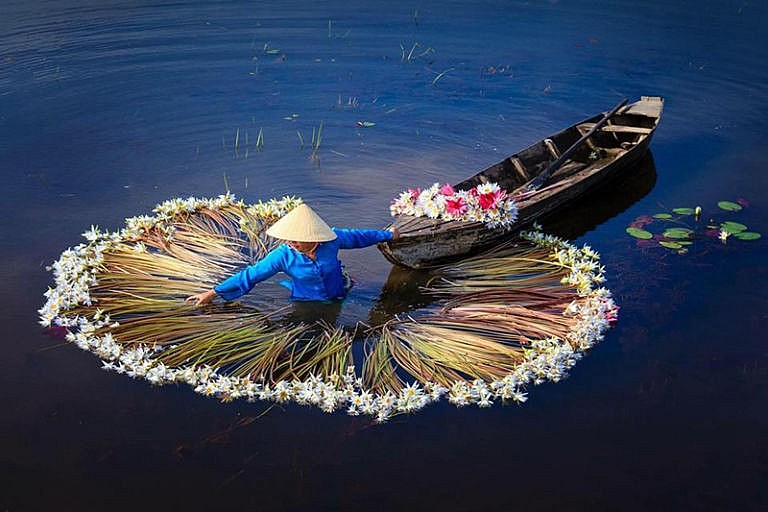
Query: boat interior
[{"x": 629, "y": 127}]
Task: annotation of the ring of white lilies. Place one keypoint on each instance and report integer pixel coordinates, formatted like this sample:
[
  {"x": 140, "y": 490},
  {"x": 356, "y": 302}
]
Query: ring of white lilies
[{"x": 498, "y": 324}]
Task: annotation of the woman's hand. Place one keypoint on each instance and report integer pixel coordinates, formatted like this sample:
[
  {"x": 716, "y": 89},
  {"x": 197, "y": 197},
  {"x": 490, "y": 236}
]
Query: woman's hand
[
  {"x": 395, "y": 232},
  {"x": 202, "y": 298}
]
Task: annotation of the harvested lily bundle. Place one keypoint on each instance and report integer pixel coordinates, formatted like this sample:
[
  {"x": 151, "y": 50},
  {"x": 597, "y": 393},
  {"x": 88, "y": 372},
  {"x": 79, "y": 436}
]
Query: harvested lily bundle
[{"x": 498, "y": 323}]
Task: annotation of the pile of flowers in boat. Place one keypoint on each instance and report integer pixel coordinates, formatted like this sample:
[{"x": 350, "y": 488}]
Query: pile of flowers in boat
[
  {"x": 487, "y": 203},
  {"x": 108, "y": 301}
]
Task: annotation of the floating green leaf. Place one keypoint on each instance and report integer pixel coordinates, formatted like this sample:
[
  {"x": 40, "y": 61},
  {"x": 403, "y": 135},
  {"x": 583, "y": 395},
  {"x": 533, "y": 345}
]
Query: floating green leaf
[
  {"x": 733, "y": 227},
  {"x": 640, "y": 233},
  {"x": 681, "y": 232},
  {"x": 678, "y": 233},
  {"x": 747, "y": 235},
  {"x": 729, "y": 206}
]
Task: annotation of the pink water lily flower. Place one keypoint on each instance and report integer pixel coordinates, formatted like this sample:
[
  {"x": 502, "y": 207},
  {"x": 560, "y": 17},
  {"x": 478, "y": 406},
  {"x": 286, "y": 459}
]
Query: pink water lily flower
[
  {"x": 447, "y": 190},
  {"x": 491, "y": 200},
  {"x": 456, "y": 206}
]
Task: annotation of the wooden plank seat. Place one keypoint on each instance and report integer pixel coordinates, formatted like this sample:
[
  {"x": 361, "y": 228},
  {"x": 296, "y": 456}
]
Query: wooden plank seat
[{"x": 616, "y": 128}]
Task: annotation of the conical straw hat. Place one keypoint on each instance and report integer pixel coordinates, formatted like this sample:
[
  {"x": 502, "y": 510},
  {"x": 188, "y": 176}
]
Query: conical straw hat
[{"x": 302, "y": 224}]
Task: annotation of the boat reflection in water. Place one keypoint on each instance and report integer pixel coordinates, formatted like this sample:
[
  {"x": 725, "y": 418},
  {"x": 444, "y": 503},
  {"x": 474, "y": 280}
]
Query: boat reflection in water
[{"x": 602, "y": 204}]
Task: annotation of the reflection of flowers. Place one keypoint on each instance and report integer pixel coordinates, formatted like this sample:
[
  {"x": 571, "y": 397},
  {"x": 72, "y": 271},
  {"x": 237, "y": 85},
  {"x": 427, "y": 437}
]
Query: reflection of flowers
[{"x": 486, "y": 203}]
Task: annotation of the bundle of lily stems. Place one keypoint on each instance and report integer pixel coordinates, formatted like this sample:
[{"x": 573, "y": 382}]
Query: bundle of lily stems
[{"x": 499, "y": 323}]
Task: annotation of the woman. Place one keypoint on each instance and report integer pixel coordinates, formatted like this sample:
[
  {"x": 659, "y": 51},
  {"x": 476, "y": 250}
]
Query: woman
[{"x": 309, "y": 256}]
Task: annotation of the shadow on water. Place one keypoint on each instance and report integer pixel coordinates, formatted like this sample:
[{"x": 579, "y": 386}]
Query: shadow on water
[
  {"x": 604, "y": 202},
  {"x": 313, "y": 312},
  {"x": 402, "y": 292}
]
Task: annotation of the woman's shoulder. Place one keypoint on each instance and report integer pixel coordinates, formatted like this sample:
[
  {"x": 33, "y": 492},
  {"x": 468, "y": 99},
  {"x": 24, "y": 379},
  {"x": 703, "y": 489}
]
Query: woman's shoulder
[{"x": 280, "y": 253}]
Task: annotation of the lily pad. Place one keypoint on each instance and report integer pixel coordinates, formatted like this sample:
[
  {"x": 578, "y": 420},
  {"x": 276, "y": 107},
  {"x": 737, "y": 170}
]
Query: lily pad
[
  {"x": 671, "y": 245},
  {"x": 733, "y": 227},
  {"x": 729, "y": 206},
  {"x": 683, "y": 211},
  {"x": 640, "y": 233},
  {"x": 678, "y": 233},
  {"x": 662, "y": 216},
  {"x": 747, "y": 235}
]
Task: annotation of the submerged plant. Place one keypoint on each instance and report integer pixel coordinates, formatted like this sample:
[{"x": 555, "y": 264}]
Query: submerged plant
[
  {"x": 260, "y": 140},
  {"x": 412, "y": 54},
  {"x": 441, "y": 75},
  {"x": 499, "y": 323},
  {"x": 270, "y": 51}
]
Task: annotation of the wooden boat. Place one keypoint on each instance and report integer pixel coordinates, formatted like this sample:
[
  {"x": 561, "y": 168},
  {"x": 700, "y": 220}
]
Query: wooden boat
[{"x": 541, "y": 178}]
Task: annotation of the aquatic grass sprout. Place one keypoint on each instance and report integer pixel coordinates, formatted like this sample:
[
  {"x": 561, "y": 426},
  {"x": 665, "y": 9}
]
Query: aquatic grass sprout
[{"x": 499, "y": 323}]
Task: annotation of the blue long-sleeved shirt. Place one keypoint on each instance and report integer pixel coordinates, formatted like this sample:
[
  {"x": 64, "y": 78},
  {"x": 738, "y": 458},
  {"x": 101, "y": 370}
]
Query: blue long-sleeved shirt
[{"x": 318, "y": 279}]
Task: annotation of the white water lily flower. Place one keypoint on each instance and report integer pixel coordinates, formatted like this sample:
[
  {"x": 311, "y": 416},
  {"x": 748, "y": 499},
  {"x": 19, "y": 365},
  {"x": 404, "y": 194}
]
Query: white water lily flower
[
  {"x": 519, "y": 397},
  {"x": 369, "y": 409},
  {"x": 328, "y": 404},
  {"x": 282, "y": 392},
  {"x": 92, "y": 234}
]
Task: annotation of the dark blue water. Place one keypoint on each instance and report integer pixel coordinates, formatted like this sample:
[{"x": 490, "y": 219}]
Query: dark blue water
[{"x": 108, "y": 108}]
